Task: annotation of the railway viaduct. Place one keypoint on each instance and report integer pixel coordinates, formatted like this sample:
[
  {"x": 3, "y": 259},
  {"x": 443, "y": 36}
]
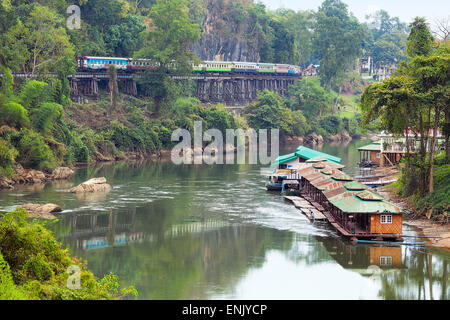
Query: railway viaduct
[{"x": 229, "y": 89}]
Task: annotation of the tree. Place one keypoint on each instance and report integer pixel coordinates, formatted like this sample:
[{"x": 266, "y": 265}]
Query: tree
[
  {"x": 14, "y": 115},
  {"x": 269, "y": 111},
  {"x": 170, "y": 34},
  {"x": 415, "y": 98},
  {"x": 14, "y": 52},
  {"x": 307, "y": 95},
  {"x": 432, "y": 74},
  {"x": 167, "y": 43},
  {"x": 113, "y": 87},
  {"x": 46, "y": 39},
  {"x": 420, "y": 40},
  {"x": 337, "y": 40},
  {"x": 123, "y": 39}
]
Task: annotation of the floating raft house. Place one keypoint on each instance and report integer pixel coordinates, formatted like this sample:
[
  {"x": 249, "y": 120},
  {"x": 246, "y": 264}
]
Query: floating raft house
[{"x": 354, "y": 209}]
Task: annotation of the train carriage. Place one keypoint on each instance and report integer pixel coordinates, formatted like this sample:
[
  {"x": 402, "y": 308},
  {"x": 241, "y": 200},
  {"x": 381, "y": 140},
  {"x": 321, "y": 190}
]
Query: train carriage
[
  {"x": 102, "y": 63},
  {"x": 142, "y": 64},
  {"x": 213, "y": 66},
  {"x": 236, "y": 67},
  {"x": 244, "y": 67},
  {"x": 267, "y": 68}
]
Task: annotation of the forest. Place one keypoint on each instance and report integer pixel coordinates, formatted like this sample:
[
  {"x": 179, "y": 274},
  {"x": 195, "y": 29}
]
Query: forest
[{"x": 42, "y": 128}]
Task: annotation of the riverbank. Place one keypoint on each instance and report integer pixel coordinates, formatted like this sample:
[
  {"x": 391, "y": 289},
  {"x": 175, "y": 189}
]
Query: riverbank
[
  {"x": 434, "y": 233},
  {"x": 32, "y": 176}
]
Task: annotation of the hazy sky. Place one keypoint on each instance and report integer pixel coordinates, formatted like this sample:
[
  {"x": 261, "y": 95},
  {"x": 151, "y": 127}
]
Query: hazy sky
[{"x": 405, "y": 9}]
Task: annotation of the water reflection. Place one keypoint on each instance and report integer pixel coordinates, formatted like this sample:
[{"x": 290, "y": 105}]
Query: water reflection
[{"x": 211, "y": 232}]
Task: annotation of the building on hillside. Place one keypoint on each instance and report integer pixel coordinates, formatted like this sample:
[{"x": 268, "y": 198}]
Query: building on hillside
[
  {"x": 391, "y": 149},
  {"x": 311, "y": 71}
]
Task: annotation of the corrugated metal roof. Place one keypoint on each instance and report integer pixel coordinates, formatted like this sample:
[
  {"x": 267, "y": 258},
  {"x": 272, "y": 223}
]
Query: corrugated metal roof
[
  {"x": 371, "y": 147},
  {"x": 335, "y": 165},
  {"x": 355, "y": 186},
  {"x": 340, "y": 176},
  {"x": 316, "y": 159},
  {"x": 284, "y": 159},
  {"x": 369, "y": 196},
  {"x": 307, "y": 153},
  {"x": 346, "y": 194}
]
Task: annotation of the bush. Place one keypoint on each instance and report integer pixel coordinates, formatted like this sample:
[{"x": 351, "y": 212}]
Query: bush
[
  {"x": 33, "y": 151},
  {"x": 8, "y": 290},
  {"x": 8, "y": 154},
  {"x": 34, "y": 266},
  {"x": 332, "y": 124},
  {"x": 14, "y": 115},
  {"x": 33, "y": 93},
  {"x": 44, "y": 117}
]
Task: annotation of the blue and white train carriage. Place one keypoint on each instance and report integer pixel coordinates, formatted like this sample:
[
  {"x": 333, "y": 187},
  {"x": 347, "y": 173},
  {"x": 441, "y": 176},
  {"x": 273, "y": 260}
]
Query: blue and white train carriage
[{"x": 102, "y": 63}]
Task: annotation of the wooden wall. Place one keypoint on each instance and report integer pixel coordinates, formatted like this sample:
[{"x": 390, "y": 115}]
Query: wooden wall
[
  {"x": 394, "y": 252},
  {"x": 394, "y": 228}
]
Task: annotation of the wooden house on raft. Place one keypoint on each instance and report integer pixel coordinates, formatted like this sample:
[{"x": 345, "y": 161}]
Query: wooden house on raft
[
  {"x": 287, "y": 165},
  {"x": 359, "y": 257},
  {"x": 354, "y": 209}
]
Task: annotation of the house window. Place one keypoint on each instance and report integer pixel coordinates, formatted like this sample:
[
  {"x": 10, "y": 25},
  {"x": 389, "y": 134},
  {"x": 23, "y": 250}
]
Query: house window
[
  {"x": 386, "y": 219},
  {"x": 385, "y": 261},
  {"x": 378, "y": 155}
]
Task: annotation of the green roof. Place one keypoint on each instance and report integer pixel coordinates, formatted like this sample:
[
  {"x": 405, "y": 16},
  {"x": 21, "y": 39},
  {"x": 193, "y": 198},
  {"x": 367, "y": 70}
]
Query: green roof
[
  {"x": 284, "y": 159},
  {"x": 307, "y": 153},
  {"x": 371, "y": 147},
  {"x": 346, "y": 194},
  {"x": 354, "y": 204}
]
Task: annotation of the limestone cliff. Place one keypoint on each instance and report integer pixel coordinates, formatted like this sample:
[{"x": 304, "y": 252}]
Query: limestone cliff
[{"x": 231, "y": 31}]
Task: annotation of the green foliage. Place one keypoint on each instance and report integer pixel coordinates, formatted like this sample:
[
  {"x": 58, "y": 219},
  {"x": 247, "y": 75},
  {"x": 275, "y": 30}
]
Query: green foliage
[
  {"x": 308, "y": 95},
  {"x": 8, "y": 290},
  {"x": 269, "y": 111},
  {"x": 45, "y": 116},
  {"x": 14, "y": 115},
  {"x": 34, "y": 152},
  {"x": 34, "y": 266},
  {"x": 8, "y": 155},
  {"x": 386, "y": 39},
  {"x": 332, "y": 124},
  {"x": 170, "y": 34},
  {"x": 6, "y": 83},
  {"x": 420, "y": 40},
  {"x": 33, "y": 93},
  {"x": 337, "y": 40},
  {"x": 121, "y": 39}
]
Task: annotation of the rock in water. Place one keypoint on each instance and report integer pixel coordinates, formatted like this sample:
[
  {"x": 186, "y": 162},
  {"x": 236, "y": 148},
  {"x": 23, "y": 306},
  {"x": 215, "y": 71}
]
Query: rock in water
[
  {"x": 93, "y": 185},
  {"x": 42, "y": 208},
  {"x": 62, "y": 173}
]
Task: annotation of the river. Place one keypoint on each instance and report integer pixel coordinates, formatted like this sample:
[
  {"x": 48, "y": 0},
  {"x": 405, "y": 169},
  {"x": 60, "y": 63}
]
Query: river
[{"x": 214, "y": 232}]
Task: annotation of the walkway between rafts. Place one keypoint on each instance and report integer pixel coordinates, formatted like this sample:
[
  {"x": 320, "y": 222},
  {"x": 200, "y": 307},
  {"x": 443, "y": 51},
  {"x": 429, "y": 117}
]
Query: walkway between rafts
[{"x": 310, "y": 209}]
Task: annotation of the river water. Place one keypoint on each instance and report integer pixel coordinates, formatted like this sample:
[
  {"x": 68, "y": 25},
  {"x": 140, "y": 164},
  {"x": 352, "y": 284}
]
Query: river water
[{"x": 214, "y": 232}]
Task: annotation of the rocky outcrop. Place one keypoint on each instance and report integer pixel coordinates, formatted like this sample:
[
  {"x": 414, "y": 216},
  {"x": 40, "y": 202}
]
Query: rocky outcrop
[
  {"x": 227, "y": 35},
  {"x": 6, "y": 183},
  {"x": 41, "y": 208},
  {"x": 293, "y": 140},
  {"x": 314, "y": 138},
  {"x": 31, "y": 176},
  {"x": 62, "y": 173},
  {"x": 341, "y": 137},
  {"x": 93, "y": 185}
]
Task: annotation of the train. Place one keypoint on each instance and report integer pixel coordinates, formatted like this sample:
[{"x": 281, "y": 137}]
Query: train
[{"x": 222, "y": 67}]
